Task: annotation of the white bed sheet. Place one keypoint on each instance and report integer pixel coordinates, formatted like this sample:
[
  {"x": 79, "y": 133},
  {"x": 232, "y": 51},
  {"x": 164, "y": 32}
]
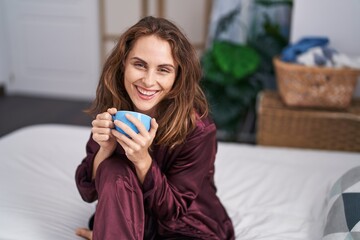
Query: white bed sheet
[
  {"x": 278, "y": 193},
  {"x": 270, "y": 193}
]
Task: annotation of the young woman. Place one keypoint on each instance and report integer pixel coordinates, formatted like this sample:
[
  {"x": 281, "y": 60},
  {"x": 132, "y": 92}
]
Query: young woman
[{"x": 157, "y": 184}]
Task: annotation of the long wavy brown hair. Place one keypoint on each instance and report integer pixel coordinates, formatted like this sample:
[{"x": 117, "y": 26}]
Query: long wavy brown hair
[{"x": 178, "y": 111}]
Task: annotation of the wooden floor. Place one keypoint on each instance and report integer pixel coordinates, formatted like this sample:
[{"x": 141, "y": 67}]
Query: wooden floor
[{"x": 18, "y": 111}]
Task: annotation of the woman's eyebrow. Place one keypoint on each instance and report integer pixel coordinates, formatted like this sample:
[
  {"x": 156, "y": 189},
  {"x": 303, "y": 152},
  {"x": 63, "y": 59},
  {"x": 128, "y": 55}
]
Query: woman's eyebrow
[{"x": 137, "y": 58}]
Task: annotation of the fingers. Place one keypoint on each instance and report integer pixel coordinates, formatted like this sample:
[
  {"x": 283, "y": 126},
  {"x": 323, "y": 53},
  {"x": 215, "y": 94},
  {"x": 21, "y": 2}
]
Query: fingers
[
  {"x": 101, "y": 134},
  {"x": 102, "y": 126},
  {"x": 112, "y": 111},
  {"x": 123, "y": 126},
  {"x": 103, "y": 120},
  {"x": 138, "y": 124},
  {"x": 101, "y": 130},
  {"x": 136, "y": 141},
  {"x": 84, "y": 233},
  {"x": 131, "y": 139},
  {"x": 106, "y": 115}
]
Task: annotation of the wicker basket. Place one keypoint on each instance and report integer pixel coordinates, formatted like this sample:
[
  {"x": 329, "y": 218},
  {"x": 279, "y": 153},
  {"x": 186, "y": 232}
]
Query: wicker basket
[
  {"x": 304, "y": 86},
  {"x": 281, "y": 125}
]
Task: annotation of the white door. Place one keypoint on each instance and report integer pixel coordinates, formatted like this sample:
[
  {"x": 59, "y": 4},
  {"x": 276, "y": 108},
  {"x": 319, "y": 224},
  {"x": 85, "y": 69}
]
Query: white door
[{"x": 53, "y": 47}]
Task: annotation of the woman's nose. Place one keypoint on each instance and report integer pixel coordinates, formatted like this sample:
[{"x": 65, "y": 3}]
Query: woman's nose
[{"x": 149, "y": 78}]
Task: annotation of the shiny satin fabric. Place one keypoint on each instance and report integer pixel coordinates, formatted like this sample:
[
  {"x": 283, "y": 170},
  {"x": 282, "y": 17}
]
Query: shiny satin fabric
[{"x": 176, "y": 201}]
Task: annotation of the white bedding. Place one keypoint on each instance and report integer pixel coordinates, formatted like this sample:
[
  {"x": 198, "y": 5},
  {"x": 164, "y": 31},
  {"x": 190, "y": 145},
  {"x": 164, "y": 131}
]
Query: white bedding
[{"x": 270, "y": 193}]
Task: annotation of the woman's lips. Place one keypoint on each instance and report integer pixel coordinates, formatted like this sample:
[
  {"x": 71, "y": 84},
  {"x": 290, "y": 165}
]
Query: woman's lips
[{"x": 145, "y": 93}]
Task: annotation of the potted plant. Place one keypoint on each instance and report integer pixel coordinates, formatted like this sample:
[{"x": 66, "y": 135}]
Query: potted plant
[{"x": 233, "y": 75}]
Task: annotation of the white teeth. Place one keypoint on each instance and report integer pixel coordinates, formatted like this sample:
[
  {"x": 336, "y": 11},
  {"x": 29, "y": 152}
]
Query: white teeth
[{"x": 146, "y": 92}]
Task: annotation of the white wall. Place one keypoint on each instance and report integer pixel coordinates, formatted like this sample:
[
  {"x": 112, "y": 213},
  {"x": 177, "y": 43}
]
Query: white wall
[
  {"x": 33, "y": 27},
  {"x": 4, "y": 57},
  {"x": 339, "y": 20},
  {"x": 53, "y": 47}
]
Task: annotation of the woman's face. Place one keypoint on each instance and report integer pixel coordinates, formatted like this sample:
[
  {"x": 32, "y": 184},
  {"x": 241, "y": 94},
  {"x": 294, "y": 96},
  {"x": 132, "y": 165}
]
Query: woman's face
[{"x": 150, "y": 72}]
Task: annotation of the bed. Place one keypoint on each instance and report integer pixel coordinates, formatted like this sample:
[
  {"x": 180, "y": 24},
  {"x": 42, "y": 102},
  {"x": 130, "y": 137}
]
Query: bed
[{"x": 270, "y": 193}]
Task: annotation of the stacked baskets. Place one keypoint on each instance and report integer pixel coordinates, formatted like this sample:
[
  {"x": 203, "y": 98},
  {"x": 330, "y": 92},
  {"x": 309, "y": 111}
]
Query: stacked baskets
[{"x": 313, "y": 108}]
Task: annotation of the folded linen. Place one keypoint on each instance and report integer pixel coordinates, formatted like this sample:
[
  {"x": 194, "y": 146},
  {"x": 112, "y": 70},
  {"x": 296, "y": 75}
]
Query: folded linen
[
  {"x": 327, "y": 57},
  {"x": 290, "y": 52}
]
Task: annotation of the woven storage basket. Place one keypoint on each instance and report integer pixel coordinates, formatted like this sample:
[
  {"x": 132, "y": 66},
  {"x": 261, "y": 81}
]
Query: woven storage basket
[
  {"x": 281, "y": 125},
  {"x": 323, "y": 87}
]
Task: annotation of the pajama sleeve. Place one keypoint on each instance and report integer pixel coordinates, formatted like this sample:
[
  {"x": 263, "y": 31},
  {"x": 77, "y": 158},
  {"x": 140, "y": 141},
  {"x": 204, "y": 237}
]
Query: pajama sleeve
[{"x": 168, "y": 195}]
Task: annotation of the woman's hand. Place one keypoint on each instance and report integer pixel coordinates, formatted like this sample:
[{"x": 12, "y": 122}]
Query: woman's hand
[
  {"x": 137, "y": 146},
  {"x": 84, "y": 233},
  {"x": 102, "y": 134},
  {"x": 101, "y": 129}
]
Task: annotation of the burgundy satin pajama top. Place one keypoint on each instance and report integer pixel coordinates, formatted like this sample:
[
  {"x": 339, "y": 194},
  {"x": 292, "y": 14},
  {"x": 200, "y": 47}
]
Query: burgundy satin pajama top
[{"x": 178, "y": 193}]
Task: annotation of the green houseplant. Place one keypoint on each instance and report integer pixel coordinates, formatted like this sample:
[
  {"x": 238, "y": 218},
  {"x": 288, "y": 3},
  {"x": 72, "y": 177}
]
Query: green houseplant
[{"x": 233, "y": 73}]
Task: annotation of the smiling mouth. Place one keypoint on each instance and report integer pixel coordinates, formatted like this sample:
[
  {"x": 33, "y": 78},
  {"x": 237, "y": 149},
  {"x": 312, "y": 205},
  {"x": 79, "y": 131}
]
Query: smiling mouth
[{"x": 146, "y": 93}]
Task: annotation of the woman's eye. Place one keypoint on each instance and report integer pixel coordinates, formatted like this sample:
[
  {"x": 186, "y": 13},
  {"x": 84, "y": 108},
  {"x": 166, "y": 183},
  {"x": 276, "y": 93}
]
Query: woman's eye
[
  {"x": 164, "y": 70},
  {"x": 139, "y": 65}
]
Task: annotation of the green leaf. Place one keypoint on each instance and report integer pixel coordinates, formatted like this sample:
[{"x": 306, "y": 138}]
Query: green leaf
[
  {"x": 237, "y": 60},
  {"x": 212, "y": 72}
]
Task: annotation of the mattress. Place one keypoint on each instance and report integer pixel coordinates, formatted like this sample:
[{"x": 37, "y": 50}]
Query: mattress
[{"x": 270, "y": 193}]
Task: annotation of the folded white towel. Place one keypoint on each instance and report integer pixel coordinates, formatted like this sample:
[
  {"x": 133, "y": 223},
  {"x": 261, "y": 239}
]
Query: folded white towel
[{"x": 327, "y": 57}]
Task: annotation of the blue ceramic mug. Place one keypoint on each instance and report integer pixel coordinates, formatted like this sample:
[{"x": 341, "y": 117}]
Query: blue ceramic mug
[{"x": 143, "y": 118}]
